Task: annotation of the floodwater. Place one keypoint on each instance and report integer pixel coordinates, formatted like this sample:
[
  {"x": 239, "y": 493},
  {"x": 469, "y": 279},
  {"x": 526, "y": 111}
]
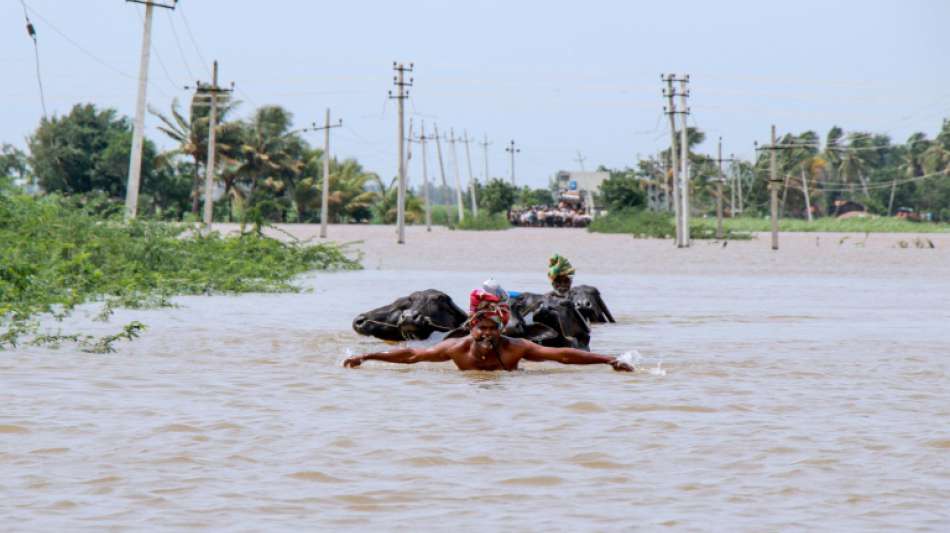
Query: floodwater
[{"x": 763, "y": 401}]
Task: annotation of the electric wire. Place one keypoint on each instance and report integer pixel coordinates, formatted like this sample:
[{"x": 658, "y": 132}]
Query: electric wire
[
  {"x": 158, "y": 56},
  {"x": 31, "y": 31},
  {"x": 181, "y": 51},
  {"x": 194, "y": 42}
]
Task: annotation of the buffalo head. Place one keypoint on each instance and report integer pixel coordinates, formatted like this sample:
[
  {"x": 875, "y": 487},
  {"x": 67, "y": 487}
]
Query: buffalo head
[
  {"x": 589, "y": 303},
  {"x": 562, "y": 316},
  {"x": 411, "y": 317}
]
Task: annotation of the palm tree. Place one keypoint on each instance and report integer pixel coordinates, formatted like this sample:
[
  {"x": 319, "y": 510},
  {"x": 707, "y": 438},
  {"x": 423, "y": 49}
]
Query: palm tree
[
  {"x": 270, "y": 158},
  {"x": 937, "y": 155},
  {"x": 191, "y": 134},
  {"x": 911, "y": 164},
  {"x": 854, "y": 163}
]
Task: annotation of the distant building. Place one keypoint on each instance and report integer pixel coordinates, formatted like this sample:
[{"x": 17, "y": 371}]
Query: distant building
[
  {"x": 580, "y": 181},
  {"x": 579, "y": 187}
]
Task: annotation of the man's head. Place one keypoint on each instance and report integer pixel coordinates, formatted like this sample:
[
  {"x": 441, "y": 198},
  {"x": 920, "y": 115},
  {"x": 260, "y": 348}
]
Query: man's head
[
  {"x": 561, "y": 274},
  {"x": 488, "y": 315},
  {"x": 486, "y": 332},
  {"x": 562, "y": 284}
]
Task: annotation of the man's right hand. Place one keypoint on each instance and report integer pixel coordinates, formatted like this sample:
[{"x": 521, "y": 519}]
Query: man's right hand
[
  {"x": 353, "y": 362},
  {"x": 621, "y": 366}
]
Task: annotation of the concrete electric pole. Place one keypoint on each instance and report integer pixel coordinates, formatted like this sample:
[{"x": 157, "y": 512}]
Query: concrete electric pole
[
  {"x": 402, "y": 92},
  {"x": 670, "y": 110},
  {"x": 720, "y": 180},
  {"x": 425, "y": 177},
  {"x": 684, "y": 159},
  {"x": 325, "y": 196},
  {"x": 211, "y": 94},
  {"x": 485, "y": 144},
  {"x": 458, "y": 174},
  {"x": 471, "y": 175},
  {"x": 445, "y": 185},
  {"x": 138, "y": 129},
  {"x": 512, "y": 151}
]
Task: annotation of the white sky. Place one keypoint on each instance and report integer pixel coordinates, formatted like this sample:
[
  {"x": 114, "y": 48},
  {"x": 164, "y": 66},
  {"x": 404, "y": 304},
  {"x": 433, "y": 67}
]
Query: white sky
[{"x": 555, "y": 76}]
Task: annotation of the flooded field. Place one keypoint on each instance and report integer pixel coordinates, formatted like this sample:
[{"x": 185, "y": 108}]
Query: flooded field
[{"x": 800, "y": 389}]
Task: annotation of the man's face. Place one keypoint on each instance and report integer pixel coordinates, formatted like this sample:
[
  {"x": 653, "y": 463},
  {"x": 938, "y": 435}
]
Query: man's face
[
  {"x": 561, "y": 284},
  {"x": 486, "y": 333}
]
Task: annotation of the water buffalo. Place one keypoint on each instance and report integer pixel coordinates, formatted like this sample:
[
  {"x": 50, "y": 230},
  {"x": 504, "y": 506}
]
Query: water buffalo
[
  {"x": 590, "y": 305},
  {"x": 415, "y": 316},
  {"x": 561, "y": 315}
]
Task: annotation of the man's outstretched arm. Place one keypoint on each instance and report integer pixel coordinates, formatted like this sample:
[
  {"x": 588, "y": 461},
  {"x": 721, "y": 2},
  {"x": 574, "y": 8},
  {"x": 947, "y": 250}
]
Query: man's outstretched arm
[
  {"x": 570, "y": 356},
  {"x": 435, "y": 354}
]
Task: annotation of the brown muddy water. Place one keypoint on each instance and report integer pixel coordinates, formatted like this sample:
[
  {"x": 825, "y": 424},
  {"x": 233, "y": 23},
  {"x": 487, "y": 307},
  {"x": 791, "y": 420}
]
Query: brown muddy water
[{"x": 804, "y": 389}]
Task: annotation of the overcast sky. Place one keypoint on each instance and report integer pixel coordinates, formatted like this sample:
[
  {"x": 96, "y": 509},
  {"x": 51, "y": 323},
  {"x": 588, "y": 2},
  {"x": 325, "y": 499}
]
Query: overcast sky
[{"x": 557, "y": 77}]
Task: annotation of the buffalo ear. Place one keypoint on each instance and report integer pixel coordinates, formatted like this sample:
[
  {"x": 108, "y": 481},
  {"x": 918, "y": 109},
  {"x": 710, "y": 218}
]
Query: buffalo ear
[{"x": 603, "y": 308}]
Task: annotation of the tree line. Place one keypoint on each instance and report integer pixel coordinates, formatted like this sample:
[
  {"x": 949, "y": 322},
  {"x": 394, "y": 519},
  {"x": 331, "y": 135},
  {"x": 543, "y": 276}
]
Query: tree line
[
  {"x": 264, "y": 169},
  {"x": 862, "y": 167}
]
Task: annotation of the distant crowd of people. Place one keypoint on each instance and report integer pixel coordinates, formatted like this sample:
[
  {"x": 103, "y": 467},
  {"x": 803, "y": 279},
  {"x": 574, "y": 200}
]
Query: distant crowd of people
[{"x": 543, "y": 216}]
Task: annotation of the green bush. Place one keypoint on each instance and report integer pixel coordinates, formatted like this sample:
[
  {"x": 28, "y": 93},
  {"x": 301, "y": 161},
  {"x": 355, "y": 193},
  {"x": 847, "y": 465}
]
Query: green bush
[
  {"x": 646, "y": 224},
  {"x": 484, "y": 221},
  {"x": 55, "y": 255},
  {"x": 637, "y": 222}
]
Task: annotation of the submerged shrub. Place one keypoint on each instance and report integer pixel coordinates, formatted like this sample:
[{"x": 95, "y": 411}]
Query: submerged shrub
[{"x": 56, "y": 254}]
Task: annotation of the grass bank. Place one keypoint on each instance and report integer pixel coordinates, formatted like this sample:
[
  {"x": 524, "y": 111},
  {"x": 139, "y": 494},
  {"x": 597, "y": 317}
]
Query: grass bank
[
  {"x": 484, "y": 222},
  {"x": 56, "y": 254},
  {"x": 829, "y": 225},
  {"x": 661, "y": 225},
  {"x": 646, "y": 224}
]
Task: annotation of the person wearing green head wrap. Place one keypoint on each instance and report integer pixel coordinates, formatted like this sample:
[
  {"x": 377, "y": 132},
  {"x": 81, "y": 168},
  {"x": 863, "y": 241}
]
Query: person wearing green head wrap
[{"x": 561, "y": 274}]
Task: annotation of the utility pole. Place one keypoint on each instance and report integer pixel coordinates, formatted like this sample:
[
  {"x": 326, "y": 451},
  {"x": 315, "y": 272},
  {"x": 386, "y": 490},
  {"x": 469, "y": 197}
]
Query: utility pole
[
  {"x": 670, "y": 110},
  {"x": 325, "y": 197},
  {"x": 774, "y": 183},
  {"x": 445, "y": 185},
  {"x": 580, "y": 160},
  {"x": 425, "y": 177},
  {"x": 684, "y": 160},
  {"x": 773, "y": 189},
  {"x": 138, "y": 131},
  {"x": 471, "y": 175},
  {"x": 211, "y": 94},
  {"x": 805, "y": 190},
  {"x": 512, "y": 151},
  {"x": 732, "y": 187},
  {"x": 402, "y": 92},
  {"x": 485, "y": 144},
  {"x": 719, "y": 183},
  {"x": 458, "y": 175},
  {"x": 738, "y": 173}
]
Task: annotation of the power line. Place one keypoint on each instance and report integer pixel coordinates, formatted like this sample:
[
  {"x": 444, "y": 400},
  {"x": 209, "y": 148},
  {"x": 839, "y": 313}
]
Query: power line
[
  {"x": 194, "y": 42},
  {"x": 161, "y": 63},
  {"x": 876, "y": 186},
  {"x": 31, "y": 31},
  {"x": 181, "y": 51},
  {"x": 82, "y": 49}
]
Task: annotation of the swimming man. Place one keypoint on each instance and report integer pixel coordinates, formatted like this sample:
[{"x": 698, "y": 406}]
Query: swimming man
[{"x": 485, "y": 348}]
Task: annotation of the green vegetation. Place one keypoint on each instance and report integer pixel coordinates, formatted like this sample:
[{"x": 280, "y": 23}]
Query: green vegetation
[
  {"x": 825, "y": 225},
  {"x": 484, "y": 221},
  {"x": 57, "y": 253},
  {"x": 661, "y": 225},
  {"x": 639, "y": 223},
  {"x": 867, "y": 168}
]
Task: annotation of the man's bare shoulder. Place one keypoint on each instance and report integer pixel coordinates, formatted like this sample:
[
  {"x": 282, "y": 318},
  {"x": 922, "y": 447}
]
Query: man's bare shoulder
[
  {"x": 453, "y": 344},
  {"x": 519, "y": 345}
]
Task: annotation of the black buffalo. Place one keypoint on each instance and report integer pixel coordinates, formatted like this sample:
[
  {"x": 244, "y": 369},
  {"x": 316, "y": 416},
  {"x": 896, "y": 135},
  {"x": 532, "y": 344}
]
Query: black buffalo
[
  {"x": 415, "y": 316},
  {"x": 561, "y": 315},
  {"x": 590, "y": 305}
]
